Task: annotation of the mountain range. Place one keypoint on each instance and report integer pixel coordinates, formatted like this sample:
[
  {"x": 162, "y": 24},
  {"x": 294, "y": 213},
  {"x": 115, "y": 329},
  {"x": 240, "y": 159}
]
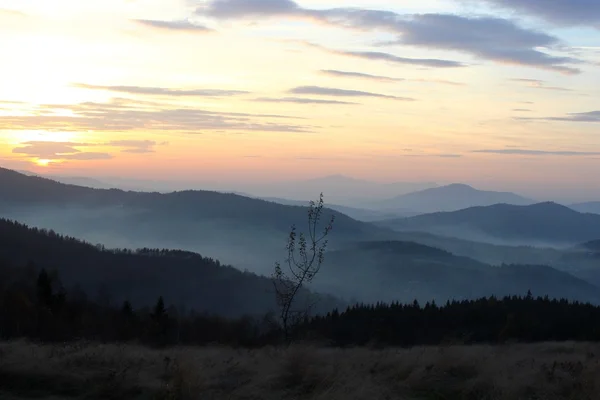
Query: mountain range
[
  {"x": 397, "y": 259},
  {"x": 246, "y": 232},
  {"x": 404, "y": 271},
  {"x": 538, "y": 224},
  {"x": 449, "y": 198}
]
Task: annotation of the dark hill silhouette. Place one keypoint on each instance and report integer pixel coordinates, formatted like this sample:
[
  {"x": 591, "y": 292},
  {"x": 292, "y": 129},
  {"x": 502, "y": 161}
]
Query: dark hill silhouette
[
  {"x": 549, "y": 223},
  {"x": 238, "y": 230},
  {"x": 403, "y": 271},
  {"x": 450, "y": 198},
  {"x": 183, "y": 278}
]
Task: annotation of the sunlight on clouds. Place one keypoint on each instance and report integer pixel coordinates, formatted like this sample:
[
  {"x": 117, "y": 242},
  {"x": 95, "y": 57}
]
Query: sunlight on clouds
[
  {"x": 17, "y": 137},
  {"x": 98, "y": 44}
]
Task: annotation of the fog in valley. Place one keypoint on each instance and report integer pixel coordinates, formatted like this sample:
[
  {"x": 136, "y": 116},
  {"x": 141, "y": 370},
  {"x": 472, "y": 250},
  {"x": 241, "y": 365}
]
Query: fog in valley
[{"x": 373, "y": 254}]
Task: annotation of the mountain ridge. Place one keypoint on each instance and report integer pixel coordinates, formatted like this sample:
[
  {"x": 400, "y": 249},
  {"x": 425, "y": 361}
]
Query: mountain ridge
[
  {"x": 546, "y": 221},
  {"x": 452, "y": 197}
]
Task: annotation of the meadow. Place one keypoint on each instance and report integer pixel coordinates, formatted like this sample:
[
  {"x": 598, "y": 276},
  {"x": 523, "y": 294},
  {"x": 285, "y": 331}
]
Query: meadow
[{"x": 111, "y": 371}]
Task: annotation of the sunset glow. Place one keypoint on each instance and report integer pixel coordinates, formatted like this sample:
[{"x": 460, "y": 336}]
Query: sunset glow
[{"x": 238, "y": 90}]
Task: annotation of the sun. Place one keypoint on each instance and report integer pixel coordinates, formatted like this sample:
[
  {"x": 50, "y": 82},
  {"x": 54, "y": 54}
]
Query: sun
[{"x": 42, "y": 162}]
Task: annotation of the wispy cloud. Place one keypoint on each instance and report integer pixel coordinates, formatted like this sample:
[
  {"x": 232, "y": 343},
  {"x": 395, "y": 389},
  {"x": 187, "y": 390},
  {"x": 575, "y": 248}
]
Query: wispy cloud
[
  {"x": 567, "y": 12},
  {"x": 178, "y": 26},
  {"x": 391, "y": 58},
  {"x": 591, "y": 116},
  {"x": 301, "y": 100},
  {"x": 360, "y": 75},
  {"x": 440, "y": 81},
  {"x": 136, "y": 146},
  {"x": 539, "y": 84},
  {"x": 158, "y": 91},
  {"x": 382, "y": 56},
  {"x": 529, "y": 152},
  {"x": 129, "y": 115},
  {"x": 490, "y": 38},
  {"x": 522, "y": 110},
  {"x": 326, "y": 91},
  {"x": 58, "y": 151}
]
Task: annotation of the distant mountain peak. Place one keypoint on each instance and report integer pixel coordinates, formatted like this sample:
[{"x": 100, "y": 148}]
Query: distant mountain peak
[
  {"x": 457, "y": 186},
  {"x": 452, "y": 197}
]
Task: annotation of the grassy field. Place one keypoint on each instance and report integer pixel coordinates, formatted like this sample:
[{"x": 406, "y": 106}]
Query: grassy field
[{"x": 91, "y": 371}]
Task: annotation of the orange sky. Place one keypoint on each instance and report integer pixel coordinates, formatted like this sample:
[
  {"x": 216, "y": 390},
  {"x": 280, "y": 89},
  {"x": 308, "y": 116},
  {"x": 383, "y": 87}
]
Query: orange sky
[{"x": 194, "y": 90}]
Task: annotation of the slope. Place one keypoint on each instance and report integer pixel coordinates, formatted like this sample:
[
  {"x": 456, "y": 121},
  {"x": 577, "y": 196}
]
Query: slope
[
  {"x": 403, "y": 271},
  {"x": 246, "y": 232},
  {"x": 183, "y": 278},
  {"x": 450, "y": 198},
  {"x": 543, "y": 223}
]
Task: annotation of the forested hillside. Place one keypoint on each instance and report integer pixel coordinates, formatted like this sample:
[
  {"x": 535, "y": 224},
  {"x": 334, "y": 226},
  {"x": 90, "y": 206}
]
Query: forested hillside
[
  {"x": 403, "y": 271},
  {"x": 182, "y": 278}
]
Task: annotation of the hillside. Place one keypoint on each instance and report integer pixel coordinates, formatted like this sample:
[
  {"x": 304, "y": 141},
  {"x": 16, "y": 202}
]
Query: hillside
[
  {"x": 450, "y": 198},
  {"x": 592, "y": 207},
  {"x": 488, "y": 253},
  {"x": 249, "y": 233},
  {"x": 543, "y": 223},
  {"x": 404, "y": 271},
  {"x": 183, "y": 278},
  {"x": 359, "y": 214}
]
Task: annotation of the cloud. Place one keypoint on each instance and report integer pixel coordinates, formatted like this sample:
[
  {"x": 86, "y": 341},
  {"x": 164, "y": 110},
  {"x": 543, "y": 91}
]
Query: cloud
[
  {"x": 86, "y": 156},
  {"x": 233, "y": 9},
  {"x": 158, "y": 91},
  {"x": 539, "y": 84},
  {"x": 522, "y": 110},
  {"x": 300, "y": 100},
  {"x": 591, "y": 116},
  {"x": 537, "y": 152},
  {"x": 58, "y": 151},
  {"x": 381, "y": 56},
  {"x": 441, "y": 81},
  {"x": 136, "y": 146},
  {"x": 490, "y": 38},
  {"x": 121, "y": 115},
  {"x": 178, "y": 26},
  {"x": 564, "y": 12},
  {"x": 360, "y": 75},
  {"x": 325, "y": 91}
]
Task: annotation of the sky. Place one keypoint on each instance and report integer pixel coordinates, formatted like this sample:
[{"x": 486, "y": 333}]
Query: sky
[{"x": 502, "y": 94}]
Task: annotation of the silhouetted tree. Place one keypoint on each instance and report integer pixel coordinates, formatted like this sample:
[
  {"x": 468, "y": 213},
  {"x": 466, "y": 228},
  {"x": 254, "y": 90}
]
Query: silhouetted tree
[{"x": 305, "y": 257}]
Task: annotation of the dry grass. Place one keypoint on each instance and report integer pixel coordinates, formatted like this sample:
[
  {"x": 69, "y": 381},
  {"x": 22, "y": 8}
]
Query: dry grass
[{"x": 91, "y": 371}]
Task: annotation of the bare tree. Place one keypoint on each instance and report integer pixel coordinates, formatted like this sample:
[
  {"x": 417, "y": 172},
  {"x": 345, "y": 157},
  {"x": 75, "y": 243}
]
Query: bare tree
[{"x": 305, "y": 258}]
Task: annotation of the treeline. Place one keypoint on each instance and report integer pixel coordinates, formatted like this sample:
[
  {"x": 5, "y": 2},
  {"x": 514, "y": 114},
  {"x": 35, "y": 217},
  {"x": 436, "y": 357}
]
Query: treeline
[
  {"x": 486, "y": 320},
  {"x": 34, "y": 305}
]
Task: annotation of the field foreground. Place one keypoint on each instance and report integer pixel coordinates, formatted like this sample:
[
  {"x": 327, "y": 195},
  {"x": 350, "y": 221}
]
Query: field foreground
[{"x": 93, "y": 371}]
